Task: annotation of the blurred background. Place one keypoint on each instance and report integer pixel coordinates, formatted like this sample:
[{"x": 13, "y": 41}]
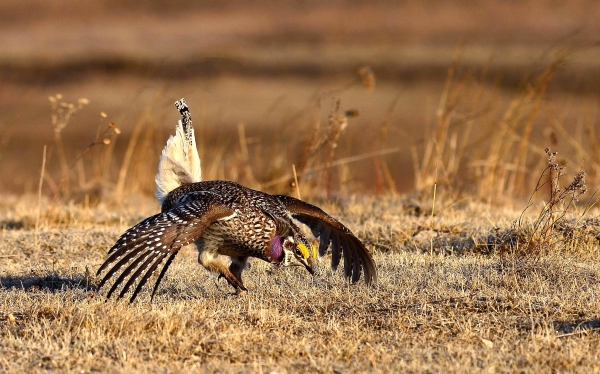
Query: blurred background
[{"x": 465, "y": 93}]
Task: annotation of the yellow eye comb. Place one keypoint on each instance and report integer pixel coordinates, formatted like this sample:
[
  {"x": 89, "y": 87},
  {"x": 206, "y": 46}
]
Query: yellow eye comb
[{"x": 306, "y": 253}]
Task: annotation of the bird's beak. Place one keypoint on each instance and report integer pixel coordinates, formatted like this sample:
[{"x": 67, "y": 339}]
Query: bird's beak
[{"x": 308, "y": 265}]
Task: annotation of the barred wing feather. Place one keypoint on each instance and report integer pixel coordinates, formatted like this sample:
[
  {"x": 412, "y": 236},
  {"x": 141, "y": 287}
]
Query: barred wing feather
[{"x": 143, "y": 248}]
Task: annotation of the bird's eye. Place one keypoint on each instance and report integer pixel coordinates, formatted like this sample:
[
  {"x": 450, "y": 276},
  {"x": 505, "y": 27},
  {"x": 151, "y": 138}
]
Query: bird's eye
[{"x": 297, "y": 252}]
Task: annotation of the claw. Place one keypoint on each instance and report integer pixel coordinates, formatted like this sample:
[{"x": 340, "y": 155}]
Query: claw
[{"x": 233, "y": 281}]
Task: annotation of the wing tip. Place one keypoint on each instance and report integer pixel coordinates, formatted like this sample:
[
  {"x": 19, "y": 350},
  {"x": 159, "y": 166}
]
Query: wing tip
[{"x": 369, "y": 269}]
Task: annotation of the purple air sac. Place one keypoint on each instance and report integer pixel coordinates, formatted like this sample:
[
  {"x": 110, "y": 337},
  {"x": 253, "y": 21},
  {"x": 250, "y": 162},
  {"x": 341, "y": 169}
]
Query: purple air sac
[{"x": 276, "y": 249}]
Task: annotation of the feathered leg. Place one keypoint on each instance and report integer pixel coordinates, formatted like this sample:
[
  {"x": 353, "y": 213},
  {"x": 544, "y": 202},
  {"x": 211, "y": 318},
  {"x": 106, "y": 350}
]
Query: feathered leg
[
  {"x": 209, "y": 260},
  {"x": 238, "y": 264}
]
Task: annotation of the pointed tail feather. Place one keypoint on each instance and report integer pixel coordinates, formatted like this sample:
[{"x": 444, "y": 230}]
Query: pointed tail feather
[{"x": 179, "y": 162}]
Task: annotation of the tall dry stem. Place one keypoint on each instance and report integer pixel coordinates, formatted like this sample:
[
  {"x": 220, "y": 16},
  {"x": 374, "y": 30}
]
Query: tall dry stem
[
  {"x": 245, "y": 155},
  {"x": 131, "y": 147},
  {"x": 39, "y": 205},
  {"x": 60, "y": 115},
  {"x": 520, "y": 159},
  {"x": 60, "y": 118}
]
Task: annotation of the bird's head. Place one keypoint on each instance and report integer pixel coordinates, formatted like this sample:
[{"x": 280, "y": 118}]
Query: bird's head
[{"x": 298, "y": 251}]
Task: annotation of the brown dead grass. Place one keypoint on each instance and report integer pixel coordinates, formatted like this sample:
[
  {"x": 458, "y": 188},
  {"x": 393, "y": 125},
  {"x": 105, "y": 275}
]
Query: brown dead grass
[
  {"x": 460, "y": 290},
  {"x": 459, "y": 312}
]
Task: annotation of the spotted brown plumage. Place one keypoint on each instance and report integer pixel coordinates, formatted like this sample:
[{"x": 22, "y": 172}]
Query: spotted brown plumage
[{"x": 224, "y": 218}]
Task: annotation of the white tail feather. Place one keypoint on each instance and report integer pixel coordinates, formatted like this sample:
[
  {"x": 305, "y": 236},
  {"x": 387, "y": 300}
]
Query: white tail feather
[{"x": 179, "y": 162}]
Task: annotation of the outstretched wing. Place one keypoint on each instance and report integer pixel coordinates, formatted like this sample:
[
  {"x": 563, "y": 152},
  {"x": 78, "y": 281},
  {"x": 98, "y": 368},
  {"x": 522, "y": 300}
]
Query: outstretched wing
[
  {"x": 143, "y": 248},
  {"x": 330, "y": 230}
]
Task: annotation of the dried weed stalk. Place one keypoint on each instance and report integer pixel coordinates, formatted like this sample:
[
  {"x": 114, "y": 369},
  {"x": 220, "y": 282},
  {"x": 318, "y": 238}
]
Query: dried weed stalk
[
  {"x": 478, "y": 144},
  {"x": 549, "y": 230},
  {"x": 367, "y": 77},
  {"x": 61, "y": 113},
  {"x": 325, "y": 140}
]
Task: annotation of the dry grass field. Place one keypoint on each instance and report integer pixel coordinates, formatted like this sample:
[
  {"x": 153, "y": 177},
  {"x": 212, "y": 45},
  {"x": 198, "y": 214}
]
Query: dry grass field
[
  {"x": 422, "y": 126},
  {"x": 467, "y": 304}
]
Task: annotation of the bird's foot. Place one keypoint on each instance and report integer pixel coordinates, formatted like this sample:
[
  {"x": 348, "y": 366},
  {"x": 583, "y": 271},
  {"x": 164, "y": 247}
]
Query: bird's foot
[{"x": 233, "y": 281}]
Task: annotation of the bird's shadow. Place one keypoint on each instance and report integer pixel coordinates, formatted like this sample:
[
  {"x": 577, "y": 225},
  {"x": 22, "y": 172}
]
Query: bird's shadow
[
  {"x": 12, "y": 224},
  {"x": 572, "y": 327},
  {"x": 47, "y": 282}
]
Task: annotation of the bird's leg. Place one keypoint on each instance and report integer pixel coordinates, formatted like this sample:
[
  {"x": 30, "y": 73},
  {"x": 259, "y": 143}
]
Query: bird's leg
[
  {"x": 231, "y": 279},
  {"x": 211, "y": 263},
  {"x": 238, "y": 264}
]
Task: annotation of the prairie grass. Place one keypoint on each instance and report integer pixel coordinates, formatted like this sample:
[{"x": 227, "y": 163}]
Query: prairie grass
[
  {"x": 458, "y": 309},
  {"x": 472, "y": 278}
]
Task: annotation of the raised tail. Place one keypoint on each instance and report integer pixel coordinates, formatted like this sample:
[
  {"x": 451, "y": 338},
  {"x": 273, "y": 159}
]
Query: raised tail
[{"x": 179, "y": 162}]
